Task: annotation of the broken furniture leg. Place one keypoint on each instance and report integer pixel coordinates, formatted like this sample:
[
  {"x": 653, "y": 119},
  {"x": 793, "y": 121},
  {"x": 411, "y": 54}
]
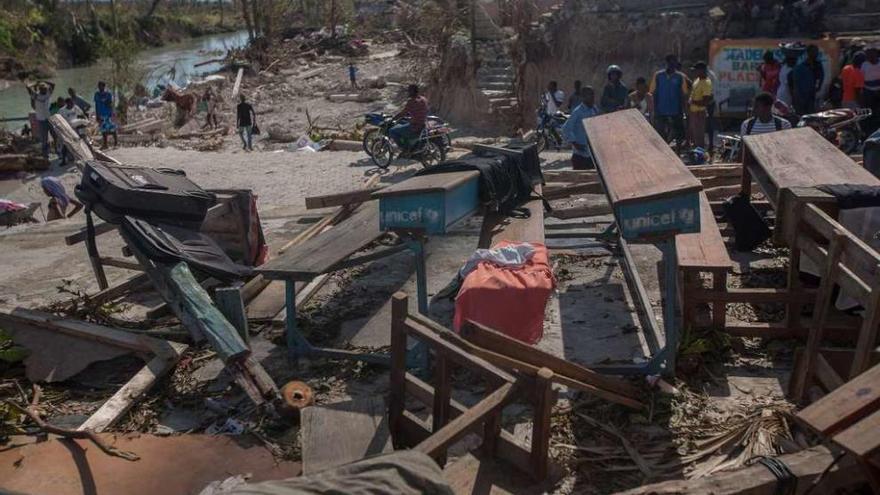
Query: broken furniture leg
[{"x": 193, "y": 306}]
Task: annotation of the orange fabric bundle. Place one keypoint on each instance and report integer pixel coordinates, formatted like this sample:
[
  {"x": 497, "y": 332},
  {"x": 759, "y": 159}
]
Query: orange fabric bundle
[{"x": 510, "y": 300}]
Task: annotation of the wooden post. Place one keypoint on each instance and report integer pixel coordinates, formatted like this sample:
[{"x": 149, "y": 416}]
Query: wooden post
[
  {"x": 397, "y": 392},
  {"x": 746, "y": 188},
  {"x": 867, "y": 334},
  {"x": 442, "y": 395},
  {"x": 544, "y": 400},
  {"x": 719, "y": 308},
  {"x": 230, "y": 303},
  {"x": 803, "y": 376}
]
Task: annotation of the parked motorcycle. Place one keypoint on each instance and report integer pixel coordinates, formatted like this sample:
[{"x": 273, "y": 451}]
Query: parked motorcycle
[
  {"x": 382, "y": 122},
  {"x": 549, "y": 129},
  {"x": 429, "y": 148},
  {"x": 840, "y": 126}
]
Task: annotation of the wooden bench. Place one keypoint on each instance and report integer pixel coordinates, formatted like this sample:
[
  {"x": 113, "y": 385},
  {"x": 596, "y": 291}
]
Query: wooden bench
[
  {"x": 327, "y": 252},
  {"x": 796, "y": 158},
  {"x": 850, "y": 417},
  {"x": 703, "y": 252},
  {"x": 497, "y": 227}
]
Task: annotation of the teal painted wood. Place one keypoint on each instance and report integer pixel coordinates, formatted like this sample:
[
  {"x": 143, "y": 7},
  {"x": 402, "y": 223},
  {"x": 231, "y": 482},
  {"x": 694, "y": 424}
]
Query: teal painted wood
[
  {"x": 659, "y": 218},
  {"x": 433, "y": 211}
]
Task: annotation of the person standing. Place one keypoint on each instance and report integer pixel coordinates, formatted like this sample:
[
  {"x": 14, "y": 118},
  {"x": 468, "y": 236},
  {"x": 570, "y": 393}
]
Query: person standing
[
  {"x": 573, "y": 131},
  {"x": 768, "y": 73},
  {"x": 669, "y": 87},
  {"x": 763, "y": 120},
  {"x": 807, "y": 78},
  {"x": 41, "y": 99},
  {"x": 853, "y": 81},
  {"x": 79, "y": 101},
  {"x": 575, "y": 99},
  {"x": 871, "y": 91},
  {"x": 352, "y": 75},
  {"x": 103, "y": 103},
  {"x": 698, "y": 104},
  {"x": 245, "y": 120},
  {"x": 210, "y": 110},
  {"x": 553, "y": 99},
  {"x": 615, "y": 93},
  {"x": 784, "y": 91},
  {"x": 642, "y": 99},
  {"x": 71, "y": 114}
]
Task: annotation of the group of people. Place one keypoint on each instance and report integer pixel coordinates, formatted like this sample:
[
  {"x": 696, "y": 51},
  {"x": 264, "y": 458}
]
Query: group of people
[
  {"x": 73, "y": 108},
  {"x": 664, "y": 101},
  {"x": 681, "y": 108}
]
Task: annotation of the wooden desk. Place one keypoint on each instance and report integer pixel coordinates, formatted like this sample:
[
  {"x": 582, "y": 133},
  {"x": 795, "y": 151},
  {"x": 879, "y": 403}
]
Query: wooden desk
[
  {"x": 428, "y": 203},
  {"x": 653, "y": 197},
  {"x": 797, "y": 159},
  {"x": 650, "y": 190}
]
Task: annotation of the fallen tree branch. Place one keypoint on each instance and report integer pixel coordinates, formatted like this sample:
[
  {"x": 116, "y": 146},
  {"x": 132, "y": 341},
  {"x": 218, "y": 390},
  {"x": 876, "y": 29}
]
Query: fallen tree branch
[{"x": 34, "y": 416}]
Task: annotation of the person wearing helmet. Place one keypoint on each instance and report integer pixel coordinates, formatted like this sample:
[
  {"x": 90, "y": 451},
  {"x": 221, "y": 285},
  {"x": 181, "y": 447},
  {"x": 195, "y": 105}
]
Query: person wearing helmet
[{"x": 614, "y": 96}]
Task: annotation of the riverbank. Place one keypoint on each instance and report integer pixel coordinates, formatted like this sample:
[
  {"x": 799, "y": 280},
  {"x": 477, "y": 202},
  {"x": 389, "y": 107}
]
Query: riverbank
[{"x": 37, "y": 42}]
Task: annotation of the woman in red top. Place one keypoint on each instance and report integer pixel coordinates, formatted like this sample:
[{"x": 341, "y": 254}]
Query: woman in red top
[{"x": 769, "y": 72}]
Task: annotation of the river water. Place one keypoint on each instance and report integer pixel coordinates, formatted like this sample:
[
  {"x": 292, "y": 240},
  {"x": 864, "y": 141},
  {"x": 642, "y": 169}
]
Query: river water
[{"x": 158, "y": 62}]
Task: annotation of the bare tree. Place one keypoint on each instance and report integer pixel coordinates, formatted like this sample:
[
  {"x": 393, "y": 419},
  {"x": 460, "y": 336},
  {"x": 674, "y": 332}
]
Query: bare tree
[
  {"x": 248, "y": 22},
  {"x": 152, "y": 10}
]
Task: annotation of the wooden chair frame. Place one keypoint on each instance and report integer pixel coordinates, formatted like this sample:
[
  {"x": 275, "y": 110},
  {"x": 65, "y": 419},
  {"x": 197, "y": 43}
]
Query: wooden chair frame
[{"x": 450, "y": 420}]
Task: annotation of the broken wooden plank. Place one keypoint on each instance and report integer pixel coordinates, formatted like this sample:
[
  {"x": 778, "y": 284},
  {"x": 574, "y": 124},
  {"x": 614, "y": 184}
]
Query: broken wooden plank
[
  {"x": 319, "y": 254},
  {"x": 580, "y": 211},
  {"x": 806, "y": 465},
  {"x": 230, "y": 303},
  {"x": 236, "y": 88},
  {"x": 135, "y": 389},
  {"x": 75, "y": 145},
  {"x": 499, "y": 343},
  {"x": 337, "y": 434},
  {"x": 341, "y": 199},
  {"x": 845, "y": 406}
]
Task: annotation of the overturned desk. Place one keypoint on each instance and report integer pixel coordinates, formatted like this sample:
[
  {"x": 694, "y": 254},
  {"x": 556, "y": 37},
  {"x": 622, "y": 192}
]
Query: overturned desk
[
  {"x": 412, "y": 209},
  {"x": 653, "y": 198}
]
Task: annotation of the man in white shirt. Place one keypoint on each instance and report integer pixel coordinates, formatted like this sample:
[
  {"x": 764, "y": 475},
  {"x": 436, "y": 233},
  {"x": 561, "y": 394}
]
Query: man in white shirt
[
  {"x": 71, "y": 114},
  {"x": 553, "y": 98},
  {"x": 763, "y": 120},
  {"x": 41, "y": 98}
]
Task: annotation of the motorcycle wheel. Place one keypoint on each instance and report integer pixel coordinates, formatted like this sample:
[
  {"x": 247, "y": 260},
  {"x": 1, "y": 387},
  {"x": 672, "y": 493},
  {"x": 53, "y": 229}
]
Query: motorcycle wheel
[
  {"x": 431, "y": 154},
  {"x": 847, "y": 141},
  {"x": 541, "y": 141},
  {"x": 381, "y": 152},
  {"x": 369, "y": 136}
]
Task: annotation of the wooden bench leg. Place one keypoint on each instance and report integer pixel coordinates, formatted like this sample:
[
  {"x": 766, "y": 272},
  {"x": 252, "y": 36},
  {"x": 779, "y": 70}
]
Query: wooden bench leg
[
  {"x": 803, "y": 376},
  {"x": 544, "y": 400},
  {"x": 719, "y": 308},
  {"x": 397, "y": 392},
  {"x": 442, "y": 395}
]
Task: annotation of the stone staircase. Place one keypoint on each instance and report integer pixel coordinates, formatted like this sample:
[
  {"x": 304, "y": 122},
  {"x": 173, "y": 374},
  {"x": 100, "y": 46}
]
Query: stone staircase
[{"x": 496, "y": 76}]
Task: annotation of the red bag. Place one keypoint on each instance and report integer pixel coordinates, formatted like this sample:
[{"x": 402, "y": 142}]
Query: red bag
[{"x": 510, "y": 300}]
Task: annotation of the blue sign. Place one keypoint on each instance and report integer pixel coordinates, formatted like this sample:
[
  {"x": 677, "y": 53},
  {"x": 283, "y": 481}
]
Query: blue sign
[
  {"x": 432, "y": 212},
  {"x": 660, "y": 217}
]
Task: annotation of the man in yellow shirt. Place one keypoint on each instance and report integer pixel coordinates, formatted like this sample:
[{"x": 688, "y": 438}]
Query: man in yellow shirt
[{"x": 700, "y": 99}]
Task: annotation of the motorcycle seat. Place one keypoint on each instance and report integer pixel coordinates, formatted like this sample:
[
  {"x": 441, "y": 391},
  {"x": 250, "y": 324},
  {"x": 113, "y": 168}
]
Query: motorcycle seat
[{"x": 832, "y": 116}]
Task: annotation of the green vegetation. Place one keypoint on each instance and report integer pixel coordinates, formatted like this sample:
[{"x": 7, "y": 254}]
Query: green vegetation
[{"x": 36, "y": 37}]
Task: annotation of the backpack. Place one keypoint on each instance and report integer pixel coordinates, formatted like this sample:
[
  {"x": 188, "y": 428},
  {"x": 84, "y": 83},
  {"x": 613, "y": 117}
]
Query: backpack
[
  {"x": 777, "y": 121},
  {"x": 748, "y": 226}
]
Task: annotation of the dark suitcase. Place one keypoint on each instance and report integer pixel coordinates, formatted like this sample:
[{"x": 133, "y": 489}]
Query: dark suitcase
[
  {"x": 114, "y": 191},
  {"x": 749, "y": 228}
]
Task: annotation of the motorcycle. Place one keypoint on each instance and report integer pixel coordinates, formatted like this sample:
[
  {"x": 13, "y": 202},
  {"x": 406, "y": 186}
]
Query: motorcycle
[
  {"x": 429, "y": 148},
  {"x": 382, "y": 122},
  {"x": 548, "y": 131},
  {"x": 839, "y": 126}
]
